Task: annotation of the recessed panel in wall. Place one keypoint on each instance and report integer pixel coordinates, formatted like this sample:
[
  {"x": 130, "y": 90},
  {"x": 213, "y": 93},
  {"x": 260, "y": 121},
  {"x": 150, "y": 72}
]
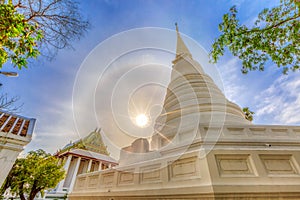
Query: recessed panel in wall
[
  {"x": 234, "y": 165},
  {"x": 93, "y": 181},
  {"x": 107, "y": 179},
  {"x": 185, "y": 168},
  {"x": 279, "y": 164},
  {"x": 150, "y": 174},
  {"x": 125, "y": 177}
]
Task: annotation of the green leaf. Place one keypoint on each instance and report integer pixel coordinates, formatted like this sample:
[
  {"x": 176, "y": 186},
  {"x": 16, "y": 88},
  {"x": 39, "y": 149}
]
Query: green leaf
[{"x": 275, "y": 35}]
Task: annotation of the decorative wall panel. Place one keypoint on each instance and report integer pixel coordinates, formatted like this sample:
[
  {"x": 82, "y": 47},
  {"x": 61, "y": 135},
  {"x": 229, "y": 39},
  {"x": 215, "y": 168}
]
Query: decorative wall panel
[
  {"x": 185, "y": 168},
  {"x": 150, "y": 174},
  {"x": 126, "y": 177},
  {"x": 279, "y": 164},
  {"x": 234, "y": 165}
]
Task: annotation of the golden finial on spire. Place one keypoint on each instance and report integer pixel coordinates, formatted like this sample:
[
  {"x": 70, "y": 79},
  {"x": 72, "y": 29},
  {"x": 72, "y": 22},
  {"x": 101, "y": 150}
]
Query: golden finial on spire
[{"x": 176, "y": 26}]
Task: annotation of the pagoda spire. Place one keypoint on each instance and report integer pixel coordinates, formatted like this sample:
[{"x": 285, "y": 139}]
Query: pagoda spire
[{"x": 181, "y": 49}]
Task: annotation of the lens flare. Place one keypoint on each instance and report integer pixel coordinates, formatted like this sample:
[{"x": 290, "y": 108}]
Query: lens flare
[{"x": 141, "y": 120}]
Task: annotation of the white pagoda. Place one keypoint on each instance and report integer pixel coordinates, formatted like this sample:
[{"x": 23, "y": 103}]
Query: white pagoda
[{"x": 202, "y": 148}]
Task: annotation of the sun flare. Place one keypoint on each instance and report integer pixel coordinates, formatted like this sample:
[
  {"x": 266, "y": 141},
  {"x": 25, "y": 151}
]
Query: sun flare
[{"x": 141, "y": 120}]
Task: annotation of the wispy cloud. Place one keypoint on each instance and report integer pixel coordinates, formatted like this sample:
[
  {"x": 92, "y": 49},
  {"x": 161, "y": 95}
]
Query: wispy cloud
[{"x": 280, "y": 102}]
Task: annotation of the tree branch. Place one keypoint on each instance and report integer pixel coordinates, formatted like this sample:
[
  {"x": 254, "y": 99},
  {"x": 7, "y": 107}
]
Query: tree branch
[{"x": 268, "y": 28}]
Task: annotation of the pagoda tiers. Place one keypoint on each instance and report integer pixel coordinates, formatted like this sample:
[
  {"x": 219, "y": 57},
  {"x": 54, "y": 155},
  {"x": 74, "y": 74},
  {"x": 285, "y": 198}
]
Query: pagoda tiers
[
  {"x": 85, "y": 155},
  {"x": 15, "y": 133},
  {"x": 202, "y": 148}
]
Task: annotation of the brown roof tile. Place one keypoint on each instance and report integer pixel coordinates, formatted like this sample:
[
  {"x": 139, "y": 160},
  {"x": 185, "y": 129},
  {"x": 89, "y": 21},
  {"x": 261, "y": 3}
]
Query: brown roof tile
[{"x": 15, "y": 124}]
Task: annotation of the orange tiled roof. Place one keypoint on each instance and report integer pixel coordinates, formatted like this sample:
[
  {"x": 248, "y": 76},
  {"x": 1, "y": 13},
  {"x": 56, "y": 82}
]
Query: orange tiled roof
[{"x": 15, "y": 124}]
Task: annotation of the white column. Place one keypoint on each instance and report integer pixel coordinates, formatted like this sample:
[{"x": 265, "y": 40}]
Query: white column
[
  {"x": 109, "y": 165},
  {"x": 74, "y": 175},
  {"x": 100, "y": 166},
  {"x": 89, "y": 166},
  {"x": 66, "y": 167}
]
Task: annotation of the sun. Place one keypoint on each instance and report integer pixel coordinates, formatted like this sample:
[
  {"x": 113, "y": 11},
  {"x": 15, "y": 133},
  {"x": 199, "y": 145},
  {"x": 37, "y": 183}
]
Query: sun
[{"x": 141, "y": 120}]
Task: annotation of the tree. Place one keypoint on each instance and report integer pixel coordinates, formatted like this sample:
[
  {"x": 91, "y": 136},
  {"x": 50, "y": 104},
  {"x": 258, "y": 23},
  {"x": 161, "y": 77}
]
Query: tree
[
  {"x": 9, "y": 104},
  {"x": 275, "y": 36},
  {"x": 248, "y": 114},
  {"x": 29, "y": 28},
  {"x": 33, "y": 174},
  {"x": 17, "y": 37}
]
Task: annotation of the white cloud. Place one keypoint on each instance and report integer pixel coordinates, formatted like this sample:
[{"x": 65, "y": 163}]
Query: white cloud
[
  {"x": 274, "y": 100},
  {"x": 280, "y": 102}
]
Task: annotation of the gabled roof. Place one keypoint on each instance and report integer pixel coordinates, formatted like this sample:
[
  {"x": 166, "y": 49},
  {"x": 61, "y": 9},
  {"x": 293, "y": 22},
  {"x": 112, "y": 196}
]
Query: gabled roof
[
  {"x": 92, "y": 142},
  {"x": 16, "y": 124},
  {"x": 89, "y": 154}
]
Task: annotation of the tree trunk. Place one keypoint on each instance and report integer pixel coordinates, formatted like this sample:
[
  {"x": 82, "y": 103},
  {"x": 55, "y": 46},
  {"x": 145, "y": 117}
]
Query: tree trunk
[
  {"x": 21, "y": 194},
  {"x": 22, "y": 197},
  {"x": 33, "y": 193}
]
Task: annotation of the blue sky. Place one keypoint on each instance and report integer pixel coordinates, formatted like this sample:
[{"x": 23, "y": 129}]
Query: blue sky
[{"x": 46, "y": 87}]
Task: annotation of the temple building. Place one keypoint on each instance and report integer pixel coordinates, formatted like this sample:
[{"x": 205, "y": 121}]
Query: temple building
[
  {"x": 202, "y": 148},
  {"x": 85, "y": 155},
  {"x": 15, "y": 132}
]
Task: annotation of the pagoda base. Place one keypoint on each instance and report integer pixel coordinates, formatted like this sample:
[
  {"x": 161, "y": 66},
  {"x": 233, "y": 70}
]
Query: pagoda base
[{"x": 246, "y": 162}]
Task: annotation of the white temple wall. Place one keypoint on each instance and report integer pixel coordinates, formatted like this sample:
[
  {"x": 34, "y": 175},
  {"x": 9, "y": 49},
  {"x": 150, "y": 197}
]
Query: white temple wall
[
  {"x": 10, "y": 147},
  {"x": 7, "y": 160}
]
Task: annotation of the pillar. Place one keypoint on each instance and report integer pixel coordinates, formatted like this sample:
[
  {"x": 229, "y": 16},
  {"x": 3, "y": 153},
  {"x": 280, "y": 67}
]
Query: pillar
[
  {"x": 89, "y": 166},
  {"x": 74, "y": 175},
  {"x": 66, "y": 167},
  {"x": 100, "y": 166}
]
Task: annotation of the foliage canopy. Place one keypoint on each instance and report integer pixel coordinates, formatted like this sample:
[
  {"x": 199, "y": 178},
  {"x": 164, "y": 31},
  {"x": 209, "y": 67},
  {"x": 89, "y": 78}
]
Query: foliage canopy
[
  {"x": 33, "y": 174},
  {"x": 275, "y": 36},
  {"x": 17, "y": 37},
  {"x": 29, "y": 28}
]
